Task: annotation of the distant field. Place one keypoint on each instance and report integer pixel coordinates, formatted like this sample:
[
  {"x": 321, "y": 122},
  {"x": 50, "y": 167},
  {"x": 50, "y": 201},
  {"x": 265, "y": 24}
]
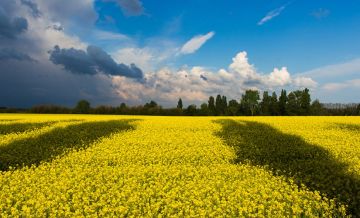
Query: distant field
[{"x": 84, "y": 165}]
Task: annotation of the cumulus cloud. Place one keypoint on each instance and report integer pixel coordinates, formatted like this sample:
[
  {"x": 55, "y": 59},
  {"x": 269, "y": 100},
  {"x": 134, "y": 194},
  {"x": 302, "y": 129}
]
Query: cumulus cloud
[
  {"x": 195, "y": 43},
  {"x": 272, "y": 14},
  {"x": 11, "y": 27},
  {"x": 196, "y": 84},
  {"x": 10, "y": 54},
  {"x": 91, "y": 62},
  {"x": 240, "y": 65},
  {"x": 279, "y": 77}
]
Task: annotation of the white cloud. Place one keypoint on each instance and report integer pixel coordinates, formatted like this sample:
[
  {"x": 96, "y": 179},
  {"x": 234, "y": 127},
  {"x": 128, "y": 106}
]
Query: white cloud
[
  {"x": 305, "y": 82},
  {"x": 241, "y": 67},
  {"x": 144, "y": 58},
  {"x": 355, "y": 83},
  {"x": 279, "y": 77},
  {"x": 334, "y": 71},
  {"x": 195, "y": 43},
  {"x": 196, "y": 84},
  {"x": 342, "y": 78},
  {"x": 272, "y": 14},
  {"x": 105, "y": 35},
  {"x": 147, "y": 58}
]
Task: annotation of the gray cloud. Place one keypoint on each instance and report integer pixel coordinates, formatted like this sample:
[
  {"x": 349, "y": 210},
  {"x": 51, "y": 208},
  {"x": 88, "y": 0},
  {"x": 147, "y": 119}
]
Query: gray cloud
[
  {"x": 32, "y": 6},
  {"x": 25, "y": 82},
  {"x": 91, "y": 62},
  {"x": 253, "y": 82},
  {"x": 10, "y": 28},
  {"x": 73, "y": 60},
  {"x": 10, "y": 54},
  {"x": 131, "y": 7}
]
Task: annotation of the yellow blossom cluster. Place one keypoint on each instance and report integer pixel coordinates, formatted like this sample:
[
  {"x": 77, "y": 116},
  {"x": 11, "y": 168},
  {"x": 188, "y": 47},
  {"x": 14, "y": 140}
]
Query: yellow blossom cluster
[{"x": 140, "y": 166}]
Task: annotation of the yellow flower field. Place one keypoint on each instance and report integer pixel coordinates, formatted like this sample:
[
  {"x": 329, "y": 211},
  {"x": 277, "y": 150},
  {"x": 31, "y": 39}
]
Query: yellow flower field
[{"x": 142, "y": 166}]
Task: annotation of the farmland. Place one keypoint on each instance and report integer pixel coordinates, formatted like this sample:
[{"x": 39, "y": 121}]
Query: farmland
[{"x": 83, "y": 165}]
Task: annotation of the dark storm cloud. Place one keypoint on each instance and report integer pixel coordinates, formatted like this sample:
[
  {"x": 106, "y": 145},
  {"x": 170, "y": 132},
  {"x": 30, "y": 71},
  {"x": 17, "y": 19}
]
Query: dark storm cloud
[
  {"x": 73, "y": 60},
  {"x": 203, "y": 77},
  {"x": 91, "y": 62},
  {"x": 11, "y": 54},
  {"x": 10, "y": 28},
  {"x": 33, "y": 7},
  {"x": 24, "y": 84}
]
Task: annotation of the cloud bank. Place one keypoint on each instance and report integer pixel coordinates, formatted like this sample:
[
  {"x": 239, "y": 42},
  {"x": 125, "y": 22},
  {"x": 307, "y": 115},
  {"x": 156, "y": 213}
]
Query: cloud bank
[{"x": 196, "y": 84}]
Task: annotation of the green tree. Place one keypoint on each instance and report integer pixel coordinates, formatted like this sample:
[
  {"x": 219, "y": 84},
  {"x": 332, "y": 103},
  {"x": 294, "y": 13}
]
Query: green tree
[
  {"x": 224, "y": 105},
  {"x": 218, "y": 105},
  {"x": 191, "y": 110},
  {"x": 204, "y": 109},
  {"x": 151, "y": 104},
  {"x": 282, "y": 103},
  {"x": 233, "y": 107},
  {"x": 122, "y": 109},
  {"x": 316, "y": 108},
  {"x": 265, "y": 103},
  {"x": 180, "y": 104},
  {"x": 305, "y": 102},
  {"x": 211, "y": 105},
  {"x": 292, "y": 107},
  {"x": 274, "y": 105},
  {"x": 82, "y": 107},
  {"x": 250, "y": 101}
]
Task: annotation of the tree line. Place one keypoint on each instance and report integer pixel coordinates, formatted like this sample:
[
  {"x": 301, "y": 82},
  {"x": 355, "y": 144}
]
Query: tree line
[{"x": 295, "y": 103}]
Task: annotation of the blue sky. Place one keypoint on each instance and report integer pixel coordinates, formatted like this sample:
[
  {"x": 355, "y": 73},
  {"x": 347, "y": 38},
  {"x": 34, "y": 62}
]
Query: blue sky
[{"x": 133, "y": 51}]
